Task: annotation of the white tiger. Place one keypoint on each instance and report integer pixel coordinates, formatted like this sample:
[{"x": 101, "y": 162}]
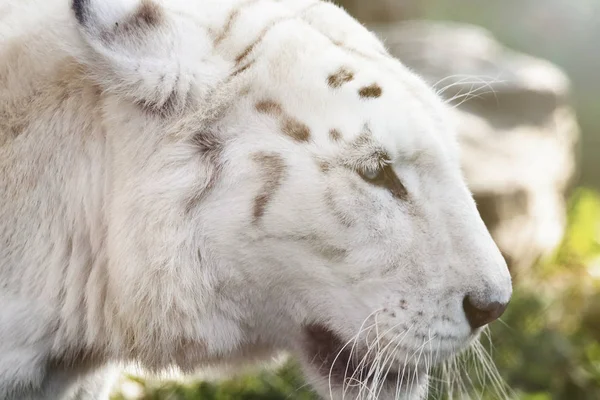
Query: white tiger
[{"x": 191, "y": 183}]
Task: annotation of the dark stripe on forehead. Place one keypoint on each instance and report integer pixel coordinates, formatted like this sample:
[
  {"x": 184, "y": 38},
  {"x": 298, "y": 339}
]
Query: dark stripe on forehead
[
  {"x": 295, "y": 129},
  {"x": 269, "y": 107},
  {"x": 290, "y": 126},
  {"x": 341, "y": 76},
  {"x": 234, "y": 15},
  {"x": 371, "y": 91},
  {"x": 273, "y": 172},
  {"x": 259, "y": 38},
  {"x": 231, "y": 21},
  {"x": 240, "y": 70}
]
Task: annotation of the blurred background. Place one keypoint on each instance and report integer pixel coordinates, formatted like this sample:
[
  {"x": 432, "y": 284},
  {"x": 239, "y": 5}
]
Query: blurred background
[{"x": 523, "y": 77}]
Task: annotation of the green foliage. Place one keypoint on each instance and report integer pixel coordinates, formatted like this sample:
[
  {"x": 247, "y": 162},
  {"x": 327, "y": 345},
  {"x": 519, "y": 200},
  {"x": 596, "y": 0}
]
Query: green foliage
[
  {"x": 286, "y": 383},
  {"x": 547, "y": 346},
  {"x": 549, "y": 342},
  {"x": 582, "y": 240}
]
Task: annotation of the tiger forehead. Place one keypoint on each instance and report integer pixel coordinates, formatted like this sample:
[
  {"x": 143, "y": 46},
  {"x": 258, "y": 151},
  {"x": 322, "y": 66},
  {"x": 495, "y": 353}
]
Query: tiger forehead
[{"x": 324, "y": 104}]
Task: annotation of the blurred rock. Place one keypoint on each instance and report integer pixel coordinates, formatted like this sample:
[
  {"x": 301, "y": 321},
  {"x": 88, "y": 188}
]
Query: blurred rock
[{"x": 517, "y": 131}]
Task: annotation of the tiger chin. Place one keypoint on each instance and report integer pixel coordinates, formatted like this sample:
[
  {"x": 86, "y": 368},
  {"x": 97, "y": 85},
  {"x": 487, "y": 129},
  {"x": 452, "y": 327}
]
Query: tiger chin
[{"x": 189, "y": 184}]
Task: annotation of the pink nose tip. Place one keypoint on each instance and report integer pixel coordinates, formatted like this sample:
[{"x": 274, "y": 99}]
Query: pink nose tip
[{"x": 479, "y": 314}]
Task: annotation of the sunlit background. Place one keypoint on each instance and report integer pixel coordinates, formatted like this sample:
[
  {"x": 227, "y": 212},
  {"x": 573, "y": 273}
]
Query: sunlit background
[{"x": 523, "y": 79}]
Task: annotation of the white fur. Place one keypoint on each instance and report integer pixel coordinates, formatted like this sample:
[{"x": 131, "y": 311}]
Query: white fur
[{"x": 121, "y": 240}]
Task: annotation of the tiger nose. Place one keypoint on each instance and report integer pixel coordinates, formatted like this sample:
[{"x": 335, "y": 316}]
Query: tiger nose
[{"x": 479, "y": 314}]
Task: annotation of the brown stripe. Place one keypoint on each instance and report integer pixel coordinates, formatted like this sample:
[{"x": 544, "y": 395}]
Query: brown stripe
[
  {"x": 289, "y": 125},
  {"x": 163, "y": 110},
  {"x": 295, "y": 129},
  {"x": 320, "y": 246},
  {"x": 149, "y": 13},
  {"x": 269, "y": 107},
  {"x": 228, "y": 25},
  {"x": 273, "y": 167},
  {"x": 371, "y": 91},
  {"x": 343, "y": 218},
  {"x": 265, "y": 30},
  {"x": 315, "y": 242},
  {"x": 233, "y": 16},
  {"x": 210, "y": 148},
  {"x": 173, "y": 105},
  {"x": 247, "y": 51},
  {"x": 341, "y": 76},
  {"x": 260, "y": 37},
  {"x": 240, "y": 70},
  {"x": 335, "y": 135},
  {"x": 324, "y": 166},
  {"x": 331, "y": 253},
  {"x": 208, "y": 144}
]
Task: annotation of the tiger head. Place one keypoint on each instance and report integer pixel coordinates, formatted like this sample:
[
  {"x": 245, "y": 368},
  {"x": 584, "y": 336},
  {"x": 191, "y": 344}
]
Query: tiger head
[{"x": 280, "y": 182}]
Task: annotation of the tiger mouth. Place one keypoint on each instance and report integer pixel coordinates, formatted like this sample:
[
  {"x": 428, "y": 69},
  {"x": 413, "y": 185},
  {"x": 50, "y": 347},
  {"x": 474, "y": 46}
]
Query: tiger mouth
[{"x": 347, "y": 366}]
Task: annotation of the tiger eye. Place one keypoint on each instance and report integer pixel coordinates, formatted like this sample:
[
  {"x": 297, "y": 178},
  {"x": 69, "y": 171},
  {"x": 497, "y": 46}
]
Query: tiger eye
[
  {"x": 386, "y": 177},
  {"x": 371, "y": 174}
]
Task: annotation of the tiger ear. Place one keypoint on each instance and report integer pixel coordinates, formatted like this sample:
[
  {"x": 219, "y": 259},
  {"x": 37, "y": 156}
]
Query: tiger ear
[{"x": 143, "y": 51}]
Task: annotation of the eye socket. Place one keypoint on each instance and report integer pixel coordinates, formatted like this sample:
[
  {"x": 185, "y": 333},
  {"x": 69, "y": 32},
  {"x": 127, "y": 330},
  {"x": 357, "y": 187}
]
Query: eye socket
[{"x": 387, "y": 178}]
